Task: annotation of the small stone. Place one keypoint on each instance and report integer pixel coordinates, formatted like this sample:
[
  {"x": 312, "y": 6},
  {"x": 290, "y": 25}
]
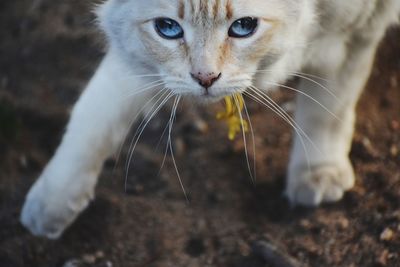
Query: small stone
[
  {"x": 343, "y": 223},
  {"x": 370, "y": 149},
  {"x": 89, "y": 259},
  {"x": 99, "y": 254},
  {"x": 394, "y": 151},
  {"x": 305, "y": 223},
  {"x": 139, "y": 188},
  {"x": 72, "y": 263},
  {"x": 395, "y": 125},
  {"x": 179, "y": 146},
  {"x": 23, "y": 161},
  {"x": 393, "y": 81},
  {"x": 200, "y": 126},
  {"x": 244, "y": 248},
  {"x": 383, "y": 257},
  {"x": 387, "y": 234},
  {"x": 396, "y": 215}
]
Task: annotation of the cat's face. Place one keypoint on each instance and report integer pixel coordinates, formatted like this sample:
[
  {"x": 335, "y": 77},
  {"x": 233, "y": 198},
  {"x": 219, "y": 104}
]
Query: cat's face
[{"x": 205, "y": 48}]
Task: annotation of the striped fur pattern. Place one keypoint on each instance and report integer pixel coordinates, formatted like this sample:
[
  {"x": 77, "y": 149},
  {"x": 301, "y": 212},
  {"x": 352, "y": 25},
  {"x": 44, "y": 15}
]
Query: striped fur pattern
[{"x": 333, "y": 41}]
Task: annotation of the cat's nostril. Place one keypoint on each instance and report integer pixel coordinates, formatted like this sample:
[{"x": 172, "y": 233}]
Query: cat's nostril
[{"x": 206, "y": 81}]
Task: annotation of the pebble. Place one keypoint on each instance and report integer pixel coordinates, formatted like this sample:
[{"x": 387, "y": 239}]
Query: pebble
[
  {"x": 23, "y": 161},
  {"x": 93, "y": 258},
  {"x": 395, "y": 125},
  {"x": 72, "y": 263},
  {"x": 370, "y": 149},
  {"x": 200, "y": 126},
  {"x": 394, "y": 151},
  {"x": 99, "y": 254},
  {"x": 89, "y": 259},
  {"x": 383, "y": 257},
  {"x": 387, "y": 234},
  {"x": 396, "y": 214},
  {"x": 179, "y": 146},
  {"x": 393, "y": 82},
  {"x": 305, "y": 223},
  {"x": 343, "y": 223},
  {"x": 244, "y": 248}
]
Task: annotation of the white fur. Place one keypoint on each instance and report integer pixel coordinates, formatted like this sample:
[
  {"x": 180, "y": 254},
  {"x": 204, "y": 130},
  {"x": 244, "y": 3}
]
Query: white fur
[
  {"x": 97, "y": 126},
  {"x": 333, "y": 39}
]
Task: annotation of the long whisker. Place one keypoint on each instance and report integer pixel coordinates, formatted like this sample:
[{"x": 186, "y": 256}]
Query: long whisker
[
  {"x": 282, "y": 111},
  {"x": 304, "y": 76},
  {"x": 167, "y": 128},
  {"x": 244, "y": 138},
  {"x": 149, "y": 75},
  {"x": 319, "y": 84},
  {"x": 253, "y": 142},
  {"x": 173, "y": 116},
  {"x": 145, "y": 88},
  {"x": 157, "y": 103},
  {"x": 298, "y": 73},
  {"x": 285, "y": 117},
  {"x": 131, "y": 123},
  {"x": 129, "y": 160},
  {"x": 310, "y": 97}
]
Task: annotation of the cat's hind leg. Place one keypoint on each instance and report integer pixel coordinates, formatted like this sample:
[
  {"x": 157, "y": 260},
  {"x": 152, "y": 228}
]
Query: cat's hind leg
[
  {"x": 99, "y": 122},
  {"x": 320, "y": 169}
]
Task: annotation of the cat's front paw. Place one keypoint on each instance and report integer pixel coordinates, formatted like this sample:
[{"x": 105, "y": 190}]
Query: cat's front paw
[
  {"x": 50, "y": 209},
  {"x": 311, "y": 186}
]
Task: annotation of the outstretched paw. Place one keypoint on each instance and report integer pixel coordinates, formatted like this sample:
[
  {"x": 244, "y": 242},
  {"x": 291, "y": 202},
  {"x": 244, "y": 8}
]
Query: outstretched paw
[
  {"x": 48, "y": 211},
  {"x": 311, "y": 186}
]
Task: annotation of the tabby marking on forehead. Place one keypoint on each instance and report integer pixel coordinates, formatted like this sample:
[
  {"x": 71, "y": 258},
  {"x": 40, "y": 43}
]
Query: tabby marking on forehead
[
  {"x": 181, "y": 11},
  {"x": 211, "y": 10},
  {"x": 229, "y": 10},
  {"x": 216, "y": 8}
]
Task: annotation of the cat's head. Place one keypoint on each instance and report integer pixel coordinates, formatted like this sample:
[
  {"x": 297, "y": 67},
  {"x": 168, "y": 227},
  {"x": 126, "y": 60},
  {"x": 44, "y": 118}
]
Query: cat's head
[{"x": 209, "y": 48}]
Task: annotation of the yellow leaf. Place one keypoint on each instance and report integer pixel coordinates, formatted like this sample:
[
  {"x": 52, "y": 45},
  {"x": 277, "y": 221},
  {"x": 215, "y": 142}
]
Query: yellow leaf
[{"x": 232, "y": 115}]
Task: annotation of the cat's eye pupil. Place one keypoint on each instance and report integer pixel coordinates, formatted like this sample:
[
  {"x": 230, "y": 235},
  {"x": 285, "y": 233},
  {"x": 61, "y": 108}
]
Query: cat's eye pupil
[
  {"x": 244, "y": 27},
  {"x": 168, "y": 28}
]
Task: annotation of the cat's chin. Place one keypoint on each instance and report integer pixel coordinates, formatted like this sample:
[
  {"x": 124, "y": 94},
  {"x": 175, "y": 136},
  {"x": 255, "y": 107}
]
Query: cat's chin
[
  {"x": 204, "y": 98},
  {"x": 208, "y": 99}
]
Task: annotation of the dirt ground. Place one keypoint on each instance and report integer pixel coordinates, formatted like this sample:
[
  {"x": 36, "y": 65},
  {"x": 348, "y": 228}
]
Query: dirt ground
[{"x": 48, "y": 51}]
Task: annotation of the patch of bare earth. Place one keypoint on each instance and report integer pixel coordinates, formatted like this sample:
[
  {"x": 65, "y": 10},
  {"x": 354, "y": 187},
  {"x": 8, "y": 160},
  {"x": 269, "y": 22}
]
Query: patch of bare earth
[{"x": 48, "y": 50}]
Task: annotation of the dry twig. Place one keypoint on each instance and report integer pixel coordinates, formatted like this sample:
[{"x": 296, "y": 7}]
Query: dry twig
[{"x": 274, "y": 256}]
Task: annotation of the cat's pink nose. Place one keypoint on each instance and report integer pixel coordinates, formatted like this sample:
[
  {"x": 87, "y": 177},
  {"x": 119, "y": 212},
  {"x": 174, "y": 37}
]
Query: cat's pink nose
[{"x": 206, "y": 79}]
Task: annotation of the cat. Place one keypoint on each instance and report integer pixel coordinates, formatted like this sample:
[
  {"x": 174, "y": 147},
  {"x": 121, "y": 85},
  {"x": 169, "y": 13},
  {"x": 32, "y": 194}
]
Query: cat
[{"x": 208, "y": 49}]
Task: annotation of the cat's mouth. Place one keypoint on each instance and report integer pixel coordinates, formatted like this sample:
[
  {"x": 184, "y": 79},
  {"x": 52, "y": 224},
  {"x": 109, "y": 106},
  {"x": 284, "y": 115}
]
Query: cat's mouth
[
  {"x": 210, "y": 95},
  {"x": 207, "y": 98},
  {"x": 223, "y": 92}
]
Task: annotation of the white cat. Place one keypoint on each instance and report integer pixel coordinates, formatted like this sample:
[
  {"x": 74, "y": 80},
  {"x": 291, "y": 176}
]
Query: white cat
[{"x": 159, "y": 49}]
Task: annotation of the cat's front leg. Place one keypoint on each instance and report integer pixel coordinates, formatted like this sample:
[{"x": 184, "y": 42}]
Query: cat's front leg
[
  {"x": 320, "y": 169},
  {"x": 98, "y": 123}
]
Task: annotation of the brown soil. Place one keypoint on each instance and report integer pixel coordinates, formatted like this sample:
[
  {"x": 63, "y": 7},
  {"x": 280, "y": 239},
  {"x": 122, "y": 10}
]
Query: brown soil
[{"x": 48, "y": 50}]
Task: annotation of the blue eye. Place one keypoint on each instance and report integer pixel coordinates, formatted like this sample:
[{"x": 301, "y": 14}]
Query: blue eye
[
  {"x": 168, "y": 28},
  {"x": 243, "y": 27}
]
